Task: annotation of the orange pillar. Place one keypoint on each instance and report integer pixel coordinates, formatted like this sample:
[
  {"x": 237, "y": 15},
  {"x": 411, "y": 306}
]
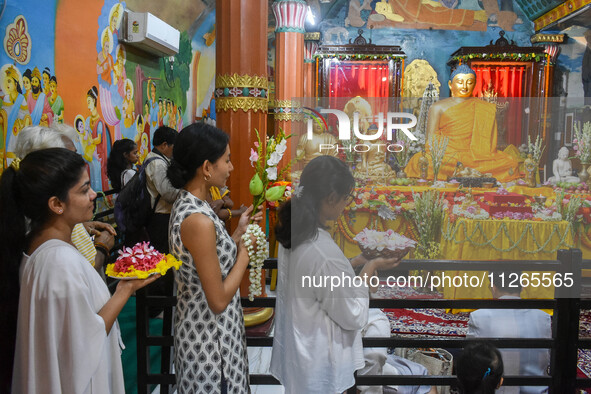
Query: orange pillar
[
  {"x": 310, "y": 46},
  {"x": 289, "y": 61},
  {"x": 241, "y": 92},
  {"x": 241, "y": 84}
]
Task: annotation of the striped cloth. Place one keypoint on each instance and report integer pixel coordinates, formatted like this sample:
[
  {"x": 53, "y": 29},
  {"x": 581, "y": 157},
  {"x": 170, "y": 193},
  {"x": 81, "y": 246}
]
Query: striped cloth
[
  {"x": 83, "y": 243},
  {"x": 217, "y": 194}
]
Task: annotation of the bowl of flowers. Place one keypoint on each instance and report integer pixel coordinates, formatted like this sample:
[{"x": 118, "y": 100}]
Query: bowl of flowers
[
  {"x": 140, "y": 262},
  {"x": 386, "y": 244}
]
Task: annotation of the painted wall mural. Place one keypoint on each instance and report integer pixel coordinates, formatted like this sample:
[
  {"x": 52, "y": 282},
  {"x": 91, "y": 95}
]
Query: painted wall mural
[
  {"x": 25, "y": 76},
  {"x": 431, "y": 30},
  {"x": 431, "y": 14},
  {"x": 55, "y": 70}
]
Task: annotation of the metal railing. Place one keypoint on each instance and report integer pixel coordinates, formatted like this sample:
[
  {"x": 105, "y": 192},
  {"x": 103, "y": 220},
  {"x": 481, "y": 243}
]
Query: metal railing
[{"x": 563, "y": 345}]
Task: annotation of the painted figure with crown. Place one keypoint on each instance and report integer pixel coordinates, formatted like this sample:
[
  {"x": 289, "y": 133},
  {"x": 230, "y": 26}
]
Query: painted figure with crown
[
  {"x": 14, "y": 113},
  {"x": 470, "y": 124}
]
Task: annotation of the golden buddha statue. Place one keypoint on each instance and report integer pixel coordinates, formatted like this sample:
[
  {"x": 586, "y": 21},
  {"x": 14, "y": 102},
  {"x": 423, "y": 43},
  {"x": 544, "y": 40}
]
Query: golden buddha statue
[
  {"x": 373, "y": 161},
  {"x": 310, "y": 148},
  {"x": 470, "y": 124}
]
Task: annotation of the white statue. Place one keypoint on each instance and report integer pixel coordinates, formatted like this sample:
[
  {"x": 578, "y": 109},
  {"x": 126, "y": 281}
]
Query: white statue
[{"x": 562, "y": 168}]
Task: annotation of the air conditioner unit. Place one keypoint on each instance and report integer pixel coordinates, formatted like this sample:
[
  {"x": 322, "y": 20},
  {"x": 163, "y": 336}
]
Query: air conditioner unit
[{"x": 149, "y": 33}]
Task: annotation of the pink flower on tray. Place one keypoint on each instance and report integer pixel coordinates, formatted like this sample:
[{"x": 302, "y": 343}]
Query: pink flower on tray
[
  {"x": 141, "y": 261},
  {"x": 142, "y": 257}
]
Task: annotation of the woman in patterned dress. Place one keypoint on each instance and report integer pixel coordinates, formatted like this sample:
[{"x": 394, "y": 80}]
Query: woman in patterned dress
[{"x": 210, "y": 342}]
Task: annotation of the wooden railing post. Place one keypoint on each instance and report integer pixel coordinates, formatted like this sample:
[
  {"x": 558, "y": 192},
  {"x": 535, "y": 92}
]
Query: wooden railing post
[{"x": 566, "y": 324}]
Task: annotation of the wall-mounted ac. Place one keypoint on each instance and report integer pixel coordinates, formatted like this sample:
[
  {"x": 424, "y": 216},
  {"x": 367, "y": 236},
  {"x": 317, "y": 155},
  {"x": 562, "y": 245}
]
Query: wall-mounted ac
[{"x": 149, "y": 33}]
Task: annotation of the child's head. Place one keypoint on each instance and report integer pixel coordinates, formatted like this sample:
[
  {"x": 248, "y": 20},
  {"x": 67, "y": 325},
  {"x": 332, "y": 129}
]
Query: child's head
[
  {"x": 480, "y": 368},
  {"x": 124, "y": 154}
]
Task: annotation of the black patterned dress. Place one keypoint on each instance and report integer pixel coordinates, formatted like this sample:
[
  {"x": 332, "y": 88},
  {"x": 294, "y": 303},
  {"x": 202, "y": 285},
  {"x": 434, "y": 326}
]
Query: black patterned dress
[{"x": 205, "y": 343}]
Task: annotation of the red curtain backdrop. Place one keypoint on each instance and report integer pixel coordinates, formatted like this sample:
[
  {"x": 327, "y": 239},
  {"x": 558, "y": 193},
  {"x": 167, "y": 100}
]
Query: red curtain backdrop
[
  {"x": 368, "y": 79},
  {"x": 508, "y": 81}
]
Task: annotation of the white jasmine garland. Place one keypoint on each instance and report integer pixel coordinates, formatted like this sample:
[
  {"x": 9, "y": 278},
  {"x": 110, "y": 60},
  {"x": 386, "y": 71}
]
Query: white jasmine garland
[{"x": 257, "y": 258}]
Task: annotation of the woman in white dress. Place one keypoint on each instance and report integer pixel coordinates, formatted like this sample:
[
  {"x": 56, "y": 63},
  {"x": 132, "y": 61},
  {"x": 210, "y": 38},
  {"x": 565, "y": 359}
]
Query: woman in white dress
[
  {"x": 67, "y": 338},
  {"x": 317, "y": 344}
]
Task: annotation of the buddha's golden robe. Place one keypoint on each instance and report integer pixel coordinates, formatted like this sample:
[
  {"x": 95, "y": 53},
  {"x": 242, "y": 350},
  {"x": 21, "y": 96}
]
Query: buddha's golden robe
[{"x": 472, "y": 131}]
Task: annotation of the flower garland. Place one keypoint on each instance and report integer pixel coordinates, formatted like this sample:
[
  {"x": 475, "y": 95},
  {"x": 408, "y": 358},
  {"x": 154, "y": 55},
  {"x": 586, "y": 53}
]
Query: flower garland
[
  {"x": 140, "y": 262},
  {"x": 502, "y": 56},
  {"x": 513, "y": 215},
  {"x": 452, "y": 231},
  {"x": 343, "y": 56},
  {"x": 257, "y": 258}
]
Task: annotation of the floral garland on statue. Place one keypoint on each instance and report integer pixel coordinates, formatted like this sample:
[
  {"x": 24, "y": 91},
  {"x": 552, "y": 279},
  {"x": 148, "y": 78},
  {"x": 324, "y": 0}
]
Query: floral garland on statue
[{"x": 266, "y": 171}]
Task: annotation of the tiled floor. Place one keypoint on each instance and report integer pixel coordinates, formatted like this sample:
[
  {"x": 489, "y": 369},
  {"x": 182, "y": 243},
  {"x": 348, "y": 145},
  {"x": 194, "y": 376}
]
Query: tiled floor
[{"x": 259, "y": 360}]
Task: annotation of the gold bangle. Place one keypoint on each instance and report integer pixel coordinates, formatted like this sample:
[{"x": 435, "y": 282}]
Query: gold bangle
[{"x": 229, "y": 213}]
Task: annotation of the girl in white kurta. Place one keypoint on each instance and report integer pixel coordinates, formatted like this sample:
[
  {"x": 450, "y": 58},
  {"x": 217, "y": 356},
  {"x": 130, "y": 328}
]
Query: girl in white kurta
[
  {"x": 59, "y": 326},
  {"x": 67, "y": 339},
  {"x": 317, "y": 344}
]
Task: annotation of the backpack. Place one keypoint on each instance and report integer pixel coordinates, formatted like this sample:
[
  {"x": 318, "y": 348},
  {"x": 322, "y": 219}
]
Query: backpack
[{"x": 133, "y": 207}]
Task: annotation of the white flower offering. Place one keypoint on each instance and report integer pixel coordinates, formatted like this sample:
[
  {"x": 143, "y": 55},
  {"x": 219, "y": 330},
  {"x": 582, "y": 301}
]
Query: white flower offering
[{"x": 383, "y": 243}]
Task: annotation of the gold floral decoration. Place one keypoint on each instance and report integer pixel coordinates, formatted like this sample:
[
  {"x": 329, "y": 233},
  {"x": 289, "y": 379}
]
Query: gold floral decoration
[
  {"x": 235, "y": 80},
  {"x": 244, "y": 103},
  {"x": 286, "y": 117}
]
